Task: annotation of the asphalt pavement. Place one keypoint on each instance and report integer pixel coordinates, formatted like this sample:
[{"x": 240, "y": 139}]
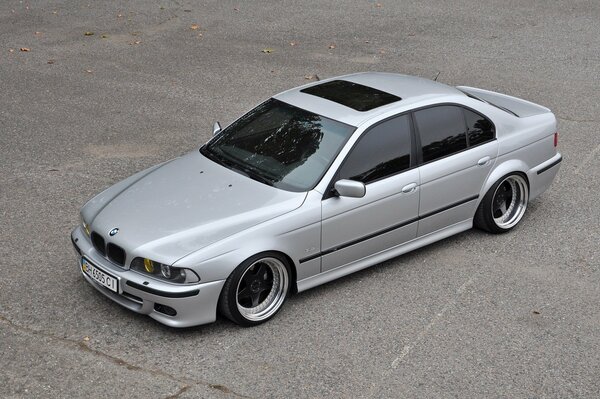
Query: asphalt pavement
[{"x": 93, "y": 91}]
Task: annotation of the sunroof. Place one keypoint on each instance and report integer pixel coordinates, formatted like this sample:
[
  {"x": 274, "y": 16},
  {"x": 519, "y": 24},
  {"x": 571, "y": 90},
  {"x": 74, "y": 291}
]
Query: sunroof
[{"x": 353, "y": 95}]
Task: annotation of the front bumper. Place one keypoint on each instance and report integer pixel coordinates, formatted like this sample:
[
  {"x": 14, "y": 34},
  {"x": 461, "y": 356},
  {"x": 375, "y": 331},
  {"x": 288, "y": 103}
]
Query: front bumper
[{"x": 194, "y": 304}]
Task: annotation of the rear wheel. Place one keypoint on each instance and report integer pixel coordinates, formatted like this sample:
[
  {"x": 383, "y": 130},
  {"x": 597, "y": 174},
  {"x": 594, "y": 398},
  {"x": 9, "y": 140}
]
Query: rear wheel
[
  {"x": 504, "y": 205},
  {"x": 256, "y": 289}
]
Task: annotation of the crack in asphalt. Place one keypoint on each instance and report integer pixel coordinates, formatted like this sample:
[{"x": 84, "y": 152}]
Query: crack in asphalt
[
  {"x": 408, "y": 347},
  {"x": 562, "y": 118},
  {"x": 587, "y": 160},
  {"x": 179, "y": 392},
  {"x": 81, "y": 345},
  {"x": 406, "y": 350}
]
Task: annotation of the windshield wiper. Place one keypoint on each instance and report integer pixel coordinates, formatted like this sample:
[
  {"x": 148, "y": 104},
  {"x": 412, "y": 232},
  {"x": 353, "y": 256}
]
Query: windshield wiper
[
  {"x": 212, "y": 155},
  {"x": 253, "y": 175},
  {"x": 230, "y": 163}
]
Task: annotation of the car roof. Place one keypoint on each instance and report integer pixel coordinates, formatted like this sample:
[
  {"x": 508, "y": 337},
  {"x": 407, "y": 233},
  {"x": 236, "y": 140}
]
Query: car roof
[{"x": 410, "y": 90}]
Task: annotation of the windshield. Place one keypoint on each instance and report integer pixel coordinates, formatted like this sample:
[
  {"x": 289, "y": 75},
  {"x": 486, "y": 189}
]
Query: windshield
[{"x": 280, "y": 145}]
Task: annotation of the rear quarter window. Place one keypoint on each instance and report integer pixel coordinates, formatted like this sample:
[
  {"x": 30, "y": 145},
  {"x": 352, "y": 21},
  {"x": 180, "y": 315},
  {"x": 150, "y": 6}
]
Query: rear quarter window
[
  {"x": 479, "y": 128},
  {"x": 442, "y": 131}
]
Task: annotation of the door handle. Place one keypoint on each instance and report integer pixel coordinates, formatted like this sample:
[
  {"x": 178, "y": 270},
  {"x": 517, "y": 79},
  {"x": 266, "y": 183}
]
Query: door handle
[
  {"x": 409, "y": 188},
  {"x": 484, "y": 161}
]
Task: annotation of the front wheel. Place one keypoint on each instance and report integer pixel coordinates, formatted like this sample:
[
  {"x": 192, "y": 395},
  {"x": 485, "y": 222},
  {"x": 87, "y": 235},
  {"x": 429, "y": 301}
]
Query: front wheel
[
  {"x": 256, "y": 289},
  {"x": 504, "y": 205}
]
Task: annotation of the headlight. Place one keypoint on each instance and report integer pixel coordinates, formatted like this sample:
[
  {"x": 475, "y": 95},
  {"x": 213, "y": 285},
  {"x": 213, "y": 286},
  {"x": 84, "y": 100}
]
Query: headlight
[{"x": 164, "y": 272}]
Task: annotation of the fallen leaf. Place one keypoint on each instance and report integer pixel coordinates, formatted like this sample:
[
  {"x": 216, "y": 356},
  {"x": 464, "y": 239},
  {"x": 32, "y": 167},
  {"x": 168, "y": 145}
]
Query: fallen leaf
[
  {"x": 25, "y": 49},
  {"x": 89, "y": 71},
  {"x": 38, "y": 33},
  {"x": 332, "y": 46},
  {"x": 50, "y": 62},
  {"x": 88, "y": 34},
  {"x": 134, "y": 43},
  {"x": 162, "y": 8},
  {"x": 194, "y": 27},
  {"x": 267, "y": 50},
  {"x": 104, "y": 36},
  {"x": 311, "y": 77},
  {"x": 381, "y": 51},
  {"x": 236, "y": 9},
  {"x": 11, "y": 50},
  {"x": 134, "y": 33},
  {"x": 86, "y": 338},
  {"x": 411, "y": 34},
  {"x": 378, "y": 5},
  {"x": 293, "y": 43},
  {"x": 535, "y": 312},
  {"x": 366, "y": 41},
  {"x": 54, "y": 12},
  {"x": 119, "y": 15}
]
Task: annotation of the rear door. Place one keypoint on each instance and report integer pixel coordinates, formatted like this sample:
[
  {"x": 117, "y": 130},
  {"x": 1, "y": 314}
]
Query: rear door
[
  {"x": 456, "y": 149},
  {"x": 354, "y": 228}
]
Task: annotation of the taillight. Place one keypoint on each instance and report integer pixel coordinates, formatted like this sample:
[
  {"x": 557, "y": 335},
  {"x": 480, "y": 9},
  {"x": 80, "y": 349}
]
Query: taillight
[{"x": 556, "y": 139}]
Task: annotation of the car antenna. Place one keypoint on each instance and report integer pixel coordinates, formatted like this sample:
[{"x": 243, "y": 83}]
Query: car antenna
[{"x": 436, "y": 76}]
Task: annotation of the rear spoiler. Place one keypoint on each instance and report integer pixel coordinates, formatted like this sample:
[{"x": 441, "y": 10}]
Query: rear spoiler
[{"x": 513, "y": 105}]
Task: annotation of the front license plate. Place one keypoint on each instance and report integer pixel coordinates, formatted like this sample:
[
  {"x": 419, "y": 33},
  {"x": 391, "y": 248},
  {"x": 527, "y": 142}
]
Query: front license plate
[{"x": 99, "y": 275}]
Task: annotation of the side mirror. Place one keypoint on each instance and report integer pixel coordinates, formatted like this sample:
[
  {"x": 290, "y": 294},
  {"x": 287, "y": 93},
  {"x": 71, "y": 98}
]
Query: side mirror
[
  {"x": 216, "y": 128},
  {"x": 350, "y": 188}
]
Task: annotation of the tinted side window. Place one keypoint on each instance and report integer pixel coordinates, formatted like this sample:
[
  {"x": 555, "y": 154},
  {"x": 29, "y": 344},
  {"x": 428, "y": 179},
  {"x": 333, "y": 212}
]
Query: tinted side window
[
  {"x": 382, "y": 151},
  {"x": 442, "y": 131},
  {"x": 479, "y": 127}
]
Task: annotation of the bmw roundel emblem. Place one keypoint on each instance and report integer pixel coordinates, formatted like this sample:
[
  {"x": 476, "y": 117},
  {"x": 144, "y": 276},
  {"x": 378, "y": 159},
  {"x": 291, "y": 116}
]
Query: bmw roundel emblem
[{"x": 113, "y": 232}]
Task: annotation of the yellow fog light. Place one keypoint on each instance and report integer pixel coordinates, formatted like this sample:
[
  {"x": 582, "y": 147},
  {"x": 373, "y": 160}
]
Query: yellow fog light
[
  {"x": 86, "y": 227},
  {"x": 148, "y": 265}
]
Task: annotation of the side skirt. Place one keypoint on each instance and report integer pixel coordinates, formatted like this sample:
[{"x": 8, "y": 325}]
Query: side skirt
[{"x": 379, "y": 257}]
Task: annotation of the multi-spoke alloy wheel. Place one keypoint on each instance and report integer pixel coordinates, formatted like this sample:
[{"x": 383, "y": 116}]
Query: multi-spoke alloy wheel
[
  {"x": 256, "y": 290},
  {"x": 504, "y": 204}
]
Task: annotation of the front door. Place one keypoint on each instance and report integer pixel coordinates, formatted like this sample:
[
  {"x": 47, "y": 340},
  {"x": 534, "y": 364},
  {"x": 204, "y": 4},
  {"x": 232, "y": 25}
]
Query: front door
[{"x": 354, "y": 228}]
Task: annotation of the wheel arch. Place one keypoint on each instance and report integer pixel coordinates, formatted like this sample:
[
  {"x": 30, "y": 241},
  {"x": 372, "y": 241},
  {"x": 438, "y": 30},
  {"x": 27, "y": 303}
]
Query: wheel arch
[
  {"x": 294, "y": 273},
  {"x": 245, "y": 256},
  {"x": 228, "y": 304},
  {"x": 503, "y": 169}
]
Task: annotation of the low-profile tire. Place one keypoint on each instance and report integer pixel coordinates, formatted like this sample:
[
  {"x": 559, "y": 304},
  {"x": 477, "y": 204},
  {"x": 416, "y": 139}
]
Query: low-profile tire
[
  {"x": 504, "y": 205},
  {"x": 256, "y": 290}
]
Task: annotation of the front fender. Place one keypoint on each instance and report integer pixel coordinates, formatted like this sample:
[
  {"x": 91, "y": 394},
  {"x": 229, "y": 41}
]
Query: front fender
[{"x": 296, "y": 234}]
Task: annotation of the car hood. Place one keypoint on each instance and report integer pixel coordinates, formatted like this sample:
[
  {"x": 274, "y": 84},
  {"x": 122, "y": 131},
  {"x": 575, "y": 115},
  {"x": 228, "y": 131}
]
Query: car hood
[{"x": 185, "y": 205}]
